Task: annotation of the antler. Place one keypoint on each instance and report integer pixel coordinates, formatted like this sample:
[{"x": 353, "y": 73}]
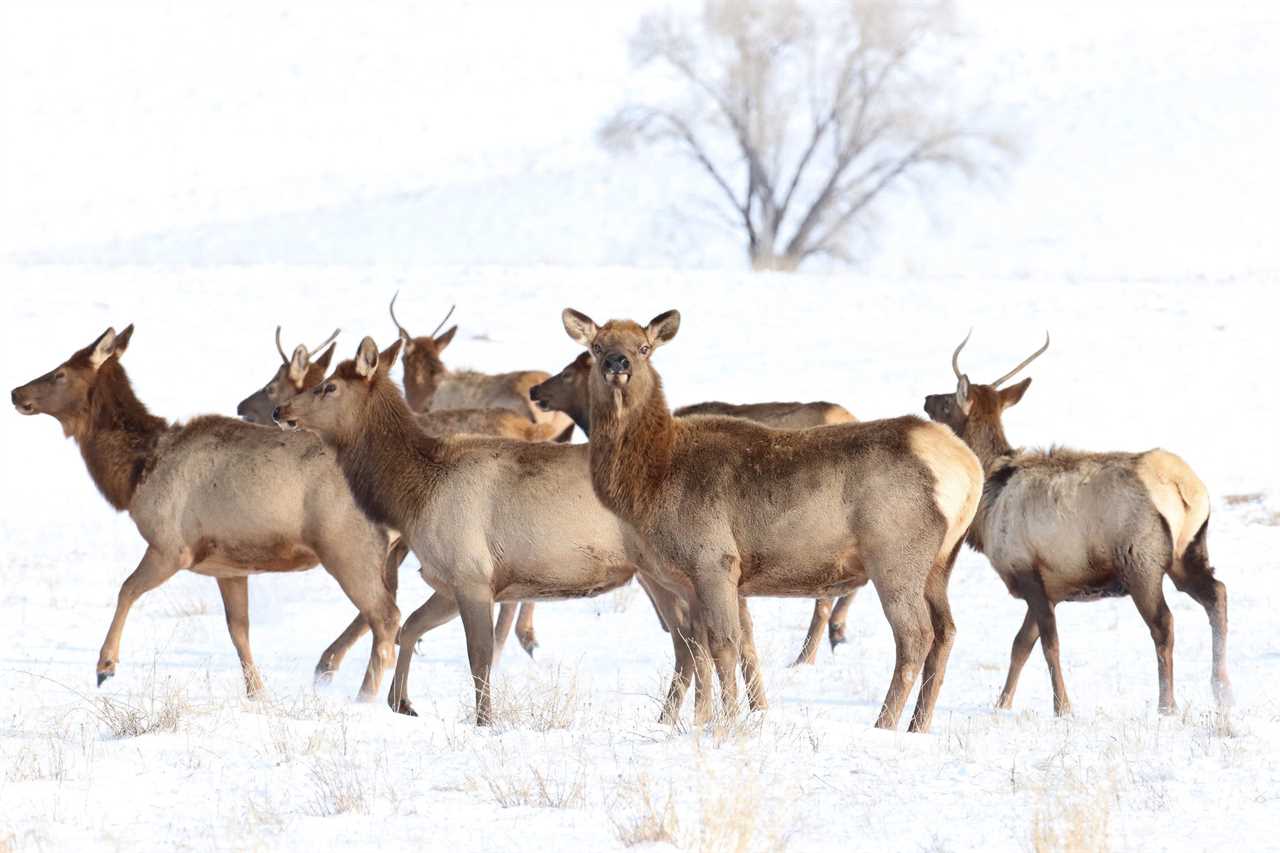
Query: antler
[
  {"x": 445, "y": 320},
  {"x": 327, "y": 341},
  {"x": 404, "y": 333},
  {"x": 1024, "y": 363},
  {"x": 279, "y": 348},
  {"x": 955, "y": 356}
]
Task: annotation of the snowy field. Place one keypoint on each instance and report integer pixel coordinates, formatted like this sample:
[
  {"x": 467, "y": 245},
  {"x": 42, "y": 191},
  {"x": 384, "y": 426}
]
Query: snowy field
[
  {"x": 208, "y": 172},
  {"x": 577, "y": 760}
]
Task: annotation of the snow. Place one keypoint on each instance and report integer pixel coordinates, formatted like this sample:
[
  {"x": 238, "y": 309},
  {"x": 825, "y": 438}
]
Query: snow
[{"x": 208, "y": 173}]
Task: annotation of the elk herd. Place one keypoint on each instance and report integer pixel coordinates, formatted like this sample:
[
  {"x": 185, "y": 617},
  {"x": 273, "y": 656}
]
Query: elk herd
[{"x": 705, "y": 506}]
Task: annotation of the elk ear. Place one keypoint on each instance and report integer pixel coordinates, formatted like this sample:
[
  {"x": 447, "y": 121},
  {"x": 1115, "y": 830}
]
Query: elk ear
[
  {"x": 663, "y": 328},
  {"x": 367, "y": 359},
  {"x": 387, "y": 359},
  {"x": 122, "y": 341},
  {"x": 325, "y": 357},
  {"x": 579, "y": 326},
  {"x": 962, "y": 394},
  {"x": 1011, "y": 395},
  {"x": 103, "y": 348},
  {"x": 298, "y": 364},
  {"x": 443, "y": 340}
]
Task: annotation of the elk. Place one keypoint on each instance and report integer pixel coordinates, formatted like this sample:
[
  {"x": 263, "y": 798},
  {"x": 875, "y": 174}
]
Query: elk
[
  {"x": 295, "y": 373},
  {"x": 730, "y": 508},
  {"x": 218, "y": 497},
  {"x": 300, "y": 372},
  {"x": 1063, "y": 525},
  {"x": 430, "y": 386},
  {"x": 489, "y": 519},
  {"x": 568, "y": 392}
]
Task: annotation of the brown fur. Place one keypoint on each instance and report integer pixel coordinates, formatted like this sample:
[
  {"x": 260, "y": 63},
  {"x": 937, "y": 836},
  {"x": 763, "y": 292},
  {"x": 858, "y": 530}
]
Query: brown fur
[
  {"x": 569, "y": 392},
  {"x": 489, "y": 519},
  {"x": 215, "y": 496},
  {"x": 1064, "y": 525},
  {"x": 731, "y": 508},
  {"x": 430, "y": 386},
  {"x": 299, "y": 373}
]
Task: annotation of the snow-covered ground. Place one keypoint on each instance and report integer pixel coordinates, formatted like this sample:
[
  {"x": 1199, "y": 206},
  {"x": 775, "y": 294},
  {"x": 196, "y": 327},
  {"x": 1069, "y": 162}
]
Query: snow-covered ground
[
  {"x": 577, "y": 760},
  {"x": 207, "y": 173}
]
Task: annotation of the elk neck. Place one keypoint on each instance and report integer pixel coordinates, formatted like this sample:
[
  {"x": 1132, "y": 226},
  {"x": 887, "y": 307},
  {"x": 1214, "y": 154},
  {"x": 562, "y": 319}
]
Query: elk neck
[
  {"x": 631, "y": 448},
  {"x": 116, "y": 434},
  {"x": 391, "y": 465}
]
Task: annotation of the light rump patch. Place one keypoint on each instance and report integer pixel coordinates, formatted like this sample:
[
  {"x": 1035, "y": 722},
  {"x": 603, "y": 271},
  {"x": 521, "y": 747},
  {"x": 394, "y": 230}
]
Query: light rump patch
[
  {"x": 1179, "y": 495},
  {"x": 955, "y": 470}
]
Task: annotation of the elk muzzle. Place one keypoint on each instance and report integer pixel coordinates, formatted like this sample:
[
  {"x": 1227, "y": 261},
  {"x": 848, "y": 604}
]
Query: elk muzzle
[
  {"x": 22, "y": 401},
  {"x": 536, "y": 395},
  {"x": 617, "y": 368}
]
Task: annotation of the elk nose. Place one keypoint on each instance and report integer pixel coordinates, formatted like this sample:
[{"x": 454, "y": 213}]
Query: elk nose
[
  {"x": 616, "y": 362},
  {"x": 13, "y": 396}
]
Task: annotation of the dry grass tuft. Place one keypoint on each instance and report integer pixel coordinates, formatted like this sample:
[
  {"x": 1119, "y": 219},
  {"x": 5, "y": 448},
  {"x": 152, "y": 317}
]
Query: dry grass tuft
[
  {"x": 640, "y": 816},
  {"x": 156, "y": 711},
  {"x": 337, "y": 787},
  {"x": 1075, "y": 817},
  {"x": 550, "y": 701},
  {"x": 559, "y": 788}
]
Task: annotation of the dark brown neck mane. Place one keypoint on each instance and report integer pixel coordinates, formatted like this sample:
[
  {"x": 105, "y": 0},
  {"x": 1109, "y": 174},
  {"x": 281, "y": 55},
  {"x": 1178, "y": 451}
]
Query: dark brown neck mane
[
  {"x": 116, "y": 434},
  {"x": 985, "y": 437},
  {"x": 630, "y": 450},
  {"x": 391, "y": 465}
]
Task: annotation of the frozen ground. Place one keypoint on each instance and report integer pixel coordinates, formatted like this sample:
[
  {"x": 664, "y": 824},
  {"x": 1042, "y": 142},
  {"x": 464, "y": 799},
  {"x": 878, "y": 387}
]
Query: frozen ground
[{"x": 577, "y": 761}]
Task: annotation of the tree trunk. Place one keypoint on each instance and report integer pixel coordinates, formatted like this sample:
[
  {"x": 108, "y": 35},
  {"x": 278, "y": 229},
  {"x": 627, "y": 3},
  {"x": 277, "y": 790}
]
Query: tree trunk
[{"x": 766, "y": 260}]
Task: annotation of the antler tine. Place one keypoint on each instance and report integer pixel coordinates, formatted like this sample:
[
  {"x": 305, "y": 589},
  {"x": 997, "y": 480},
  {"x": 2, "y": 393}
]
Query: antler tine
[
  {"x": 445, "y": 320},
  {"x": 279, "y": 348},
  {"x": 1024, "y": 363},
  {"x": 327, "y": 341},
  {"x": 955, "y": 356},
  {"x": 404, "y": 333}
]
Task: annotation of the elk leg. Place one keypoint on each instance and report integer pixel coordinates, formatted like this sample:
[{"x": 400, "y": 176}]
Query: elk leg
[
  {"x": 702, "y": 689},
  {"x": 835, "y": 630},
  {"x": 674, "y": 617},
  {"x": 1212, "y": 596},
  {"x": 235, "y": 604},
  {"x": 909, "y": 619},
  {"x": 1149, "y": 598},
  {"x": 718, "y": 599},
  {"x": 524, "y": 628},
  {"x": 1039, "y": 604},
  {"x": 477, "y": 622},
  {"x": 377, "y": 606},
  {"x": 818, "y": 624},
  {"x": 1023, "y": 643},
  {"x": 506, "y": 618},
  {"x": 750, "y": 660},
  {"x": 153, "y": 570},
  {"x": 437, "y": 610},
  {"x": 944, "y": 634},
  {"x": 332, "y": 657}
]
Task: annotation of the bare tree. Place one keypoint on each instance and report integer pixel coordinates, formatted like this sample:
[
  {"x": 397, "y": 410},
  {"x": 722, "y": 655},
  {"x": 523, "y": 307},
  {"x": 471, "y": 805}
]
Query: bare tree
[{"x": 803, "y": 115}]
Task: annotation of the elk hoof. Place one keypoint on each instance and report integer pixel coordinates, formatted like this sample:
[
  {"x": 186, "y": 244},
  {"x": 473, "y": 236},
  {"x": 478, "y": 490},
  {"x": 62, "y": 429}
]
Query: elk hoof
[
  {"x": 1004, "y": 703},
  {"x": 1169, "y": 708},
  {"x": 804, "y": 660},
  {"x": 1222, "y": 693},
  {"x": 324, "y": 676},
  {"x": 106, "y": 672},
  {"x": 404, "y": 707},
  {"x": 837, "y": 638},
  {"x": 529, "y": 645}
]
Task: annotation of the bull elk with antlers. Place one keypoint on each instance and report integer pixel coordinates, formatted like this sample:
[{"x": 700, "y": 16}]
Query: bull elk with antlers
[
  {"x": 731, "y": 508},
  {"x": 218, "y": 497},
  {"x": 1062, "y": 525},
  {"x": 568, "y": 392}
]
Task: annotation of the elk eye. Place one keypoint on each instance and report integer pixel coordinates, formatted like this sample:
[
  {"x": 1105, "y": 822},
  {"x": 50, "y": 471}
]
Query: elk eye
[
  {"x": 597, "y": 349},
  {"x": 644, "y": 349},
  {"x": 330, "y": 388},
  {"x": 60, "y": 376}
]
